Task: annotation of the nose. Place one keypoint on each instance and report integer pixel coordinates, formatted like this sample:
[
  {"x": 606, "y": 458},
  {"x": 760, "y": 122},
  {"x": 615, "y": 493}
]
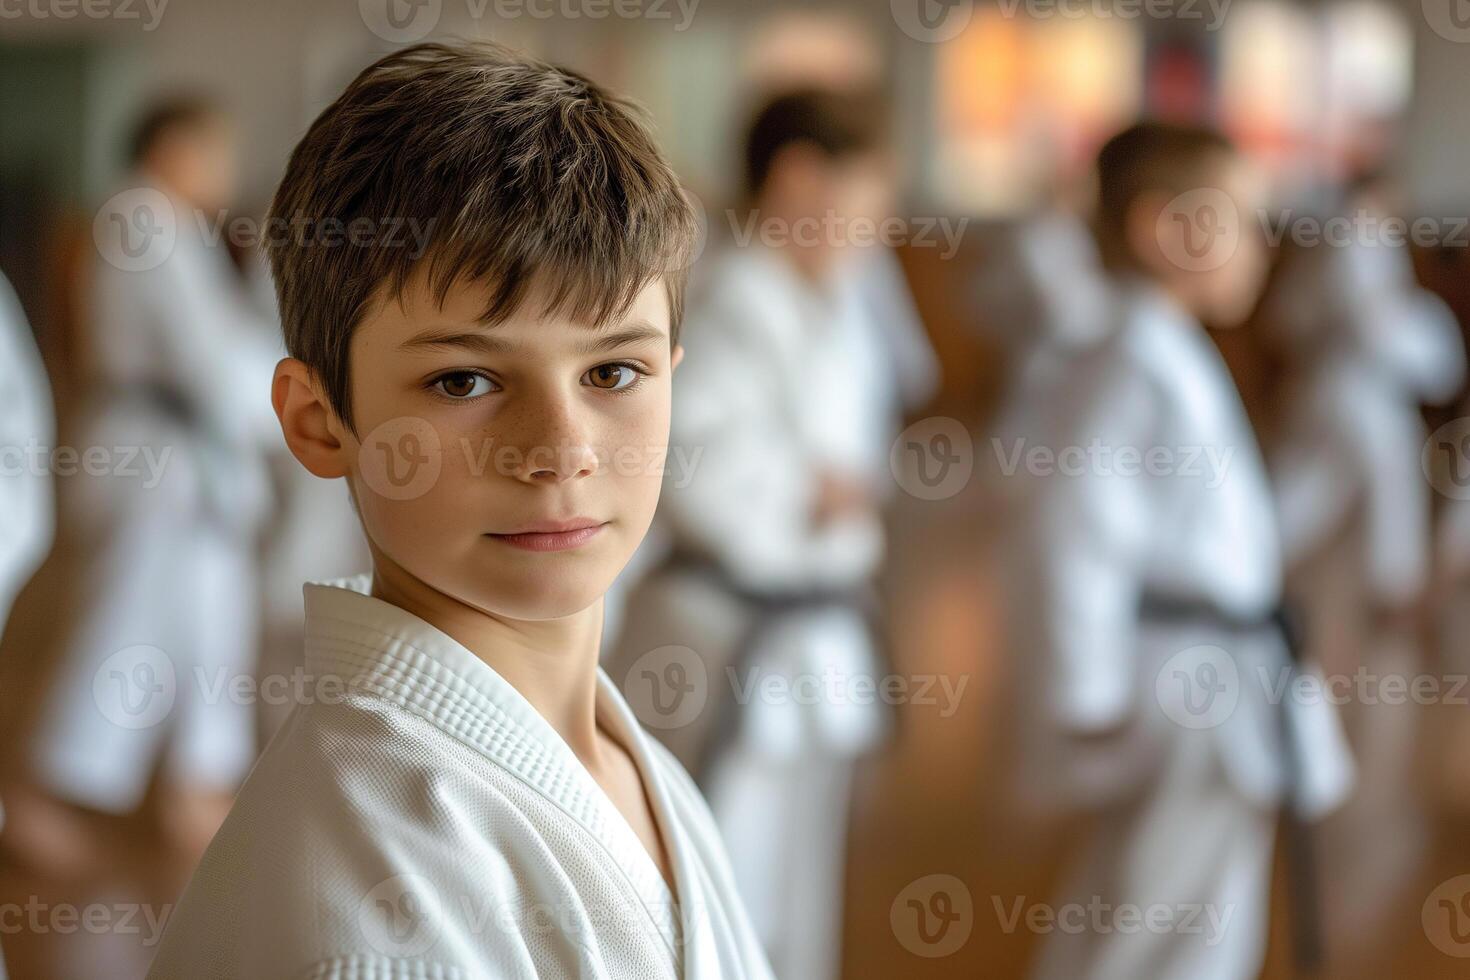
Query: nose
[{"x": 553, "y": 443}]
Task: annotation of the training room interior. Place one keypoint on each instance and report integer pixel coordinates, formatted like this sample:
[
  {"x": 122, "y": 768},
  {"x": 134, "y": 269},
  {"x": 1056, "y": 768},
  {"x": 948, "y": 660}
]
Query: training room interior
[{"x": 986, "y": 125}]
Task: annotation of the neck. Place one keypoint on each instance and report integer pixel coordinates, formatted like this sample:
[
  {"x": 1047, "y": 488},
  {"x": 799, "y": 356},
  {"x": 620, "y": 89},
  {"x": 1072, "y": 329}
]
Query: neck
[{"x": 552, "y": 663}]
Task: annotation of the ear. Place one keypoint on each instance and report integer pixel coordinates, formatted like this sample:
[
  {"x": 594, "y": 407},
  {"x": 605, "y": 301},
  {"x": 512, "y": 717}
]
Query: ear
[
  {"x": 676, "y": 357},
  {"x": 311, "y": 428}
]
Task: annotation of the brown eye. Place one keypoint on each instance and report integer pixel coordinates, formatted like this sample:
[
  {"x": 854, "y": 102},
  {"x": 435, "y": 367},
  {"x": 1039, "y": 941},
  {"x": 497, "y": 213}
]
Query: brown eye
[
  {"x": 463, "y": 384},
  {"x": 611, "y": 377}
]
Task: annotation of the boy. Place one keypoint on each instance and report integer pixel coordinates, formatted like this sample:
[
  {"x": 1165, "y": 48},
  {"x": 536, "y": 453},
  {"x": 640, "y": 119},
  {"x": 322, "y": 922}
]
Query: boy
[
  {"x": 790, "y": 410},
  {"x": 1157, "y": 582},
  {"x": 461, "y": 792}
]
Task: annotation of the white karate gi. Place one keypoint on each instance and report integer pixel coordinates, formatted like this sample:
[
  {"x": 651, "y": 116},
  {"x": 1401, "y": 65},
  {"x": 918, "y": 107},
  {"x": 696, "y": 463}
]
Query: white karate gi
[
  {"x": 781, "y": 381},
  {"x": 27, "y": 513},
  {"x": 416, "y": 817},
  {"x": 1190, "y": 795},
  {"x": 183, "y": 378},
  {"x": 1355, "y": 513}
]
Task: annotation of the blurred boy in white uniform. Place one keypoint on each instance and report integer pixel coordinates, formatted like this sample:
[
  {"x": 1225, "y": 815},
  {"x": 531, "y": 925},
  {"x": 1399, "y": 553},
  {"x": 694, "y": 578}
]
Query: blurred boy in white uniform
[
  {"x": 169, "y": 606},
  {"x": 785, "y": 410},
  {"x": 1158, "y": 574},
  {"x": 1369, "y": 347}
]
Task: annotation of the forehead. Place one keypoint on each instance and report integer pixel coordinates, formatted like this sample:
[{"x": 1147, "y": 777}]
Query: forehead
[{"x": 464, "y": 305}]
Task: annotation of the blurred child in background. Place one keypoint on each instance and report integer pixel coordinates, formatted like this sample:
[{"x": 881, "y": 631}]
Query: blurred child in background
[
  {"x": 787, "y": 404},
  {"x": 1157, "y": 576}
]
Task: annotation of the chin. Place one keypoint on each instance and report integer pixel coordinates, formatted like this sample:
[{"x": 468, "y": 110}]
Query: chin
[{"x": 553, "y": 594}]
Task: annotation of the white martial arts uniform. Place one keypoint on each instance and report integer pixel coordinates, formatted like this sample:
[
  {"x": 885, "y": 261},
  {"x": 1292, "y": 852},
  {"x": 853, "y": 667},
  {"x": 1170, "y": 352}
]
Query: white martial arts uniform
[
  {"x": 1355, "y": 515},
  {"x": 27, "y": 515},
  {"x": 1139, "y": 559},
  {"x": 416, "y": 818},
  {"x": 181, "y": 401},
  {"x": 781, "y": 382}
]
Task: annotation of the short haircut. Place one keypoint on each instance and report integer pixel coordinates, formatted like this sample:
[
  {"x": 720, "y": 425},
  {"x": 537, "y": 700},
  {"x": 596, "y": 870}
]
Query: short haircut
[
  {"x": 839, "y": 124},
  {"x": 515, "y": 172},
  {"x": 1150, "y": 158},
  {"x": 168, "y": 117}
]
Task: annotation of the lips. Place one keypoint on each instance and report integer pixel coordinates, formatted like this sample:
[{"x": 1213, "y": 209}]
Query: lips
[{"x": 552, "y": 535}]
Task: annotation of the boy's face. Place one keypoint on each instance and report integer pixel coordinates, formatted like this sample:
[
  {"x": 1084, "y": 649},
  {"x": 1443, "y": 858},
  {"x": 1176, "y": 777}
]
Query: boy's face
[
  {"x": 514, "y": 468},
  {"x": 1205, "y": 246}
]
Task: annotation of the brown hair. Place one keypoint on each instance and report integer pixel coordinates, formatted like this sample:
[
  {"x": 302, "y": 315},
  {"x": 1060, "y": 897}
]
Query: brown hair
[
  {"x": 1150, "y": 157},
  {"x": 508, "y": 170},
  {"x": 163, "y": 119},
  {"x": 839, "y": 123}
]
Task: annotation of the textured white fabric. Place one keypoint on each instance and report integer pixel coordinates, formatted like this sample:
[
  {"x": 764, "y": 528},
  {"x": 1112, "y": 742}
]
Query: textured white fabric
[{"x": 420, "y": 819}]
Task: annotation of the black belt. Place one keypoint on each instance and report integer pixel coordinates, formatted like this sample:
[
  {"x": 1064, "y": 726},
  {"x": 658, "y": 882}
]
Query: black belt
[{"x": 767, "y": 607}]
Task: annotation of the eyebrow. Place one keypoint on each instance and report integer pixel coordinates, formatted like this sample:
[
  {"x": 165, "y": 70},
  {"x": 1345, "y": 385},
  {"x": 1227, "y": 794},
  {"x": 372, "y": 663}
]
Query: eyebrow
[{"x": 485, "y": 343}]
